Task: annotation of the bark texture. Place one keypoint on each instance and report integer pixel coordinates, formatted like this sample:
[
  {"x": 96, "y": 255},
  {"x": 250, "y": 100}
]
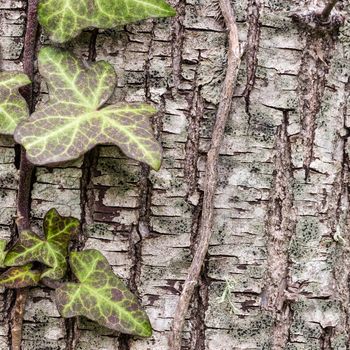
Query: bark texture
[{"x": 277, "y": 271}]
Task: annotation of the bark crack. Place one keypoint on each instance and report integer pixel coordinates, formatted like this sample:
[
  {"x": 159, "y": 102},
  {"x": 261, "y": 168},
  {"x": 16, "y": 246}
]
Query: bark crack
[
  {"x": 178, "y": 37},
  {"x": 252, "y": 49},
  {"x": 312, "y": 81},
  {"x": 280, "y": 227}
]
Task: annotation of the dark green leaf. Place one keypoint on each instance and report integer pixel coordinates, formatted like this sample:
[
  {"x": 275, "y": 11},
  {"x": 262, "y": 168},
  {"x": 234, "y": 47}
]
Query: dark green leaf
[
  {"x": 13, "y": 107},
  {"x": 51, "y": 251},
  {"x": 20, "y": 277},
  {"x": 65, "y": 19},
  {"x": 73, "y": 122},
  {"x": 101, "y": 296}
]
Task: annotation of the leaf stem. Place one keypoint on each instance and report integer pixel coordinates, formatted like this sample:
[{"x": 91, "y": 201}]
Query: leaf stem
[
  {"x": 206, "y": 221},
  {"x": 26, "y": 169},
  {"x": 328, "y": 9}
]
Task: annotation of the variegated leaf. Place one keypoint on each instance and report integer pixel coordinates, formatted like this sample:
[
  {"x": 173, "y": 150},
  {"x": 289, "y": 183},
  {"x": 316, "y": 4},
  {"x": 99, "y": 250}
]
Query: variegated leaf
[
  {"x": 20, "y": 277},
  {"x": 51, "y": 251},
  {"x": 101, "y": 296},
  {"x": 73, "y": 121},
  {"x": 13, "y": 107},
  {"x": 65, "y": 19}
]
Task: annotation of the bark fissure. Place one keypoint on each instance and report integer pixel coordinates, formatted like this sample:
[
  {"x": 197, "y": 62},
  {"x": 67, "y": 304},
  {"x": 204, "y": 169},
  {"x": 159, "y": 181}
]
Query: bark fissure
[
  {"x": 194, "y": 117},
  {"x": 142, "y": 228},
  {"x": 312, "y": 81},
  {"x": 178, "y": 37},
  {"x": 339, "y": 219},
  {"x": 252, "y": 50},
  {"x": 280, "y": 227}
]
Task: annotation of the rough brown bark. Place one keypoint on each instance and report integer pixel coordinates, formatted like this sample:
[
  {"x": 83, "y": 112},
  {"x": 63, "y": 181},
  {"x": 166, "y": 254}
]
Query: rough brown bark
[{"x": 276, "y": 275}]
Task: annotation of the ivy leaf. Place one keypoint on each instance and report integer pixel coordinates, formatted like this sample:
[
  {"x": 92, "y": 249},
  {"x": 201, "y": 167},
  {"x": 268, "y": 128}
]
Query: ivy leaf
[
  {"x": 101, "y": 296},
  {"x": 3, "y": 252},
  {"x": 51, "y": 251},
  {"x": 65, "y": 19},
  {"x": 13, "y": 107},
  {"x": 20, "y": 277},
  {"x": 73, "y": 122}
]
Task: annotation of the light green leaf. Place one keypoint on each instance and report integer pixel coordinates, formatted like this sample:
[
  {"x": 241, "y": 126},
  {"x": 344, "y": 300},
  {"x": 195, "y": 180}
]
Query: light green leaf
[
  {"x": 51, "y": 251},
  {"x": 65, "y": 19},
  {"x": 20, "y": 277},
  {"x": 13, "y": 107},
  {"x": 73, "y": 121},
  {"x": 101, "y": 296}
]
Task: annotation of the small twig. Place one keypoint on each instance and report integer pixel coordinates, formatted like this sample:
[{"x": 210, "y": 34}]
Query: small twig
[
  {"x": 205, "y": 231},
  {"x": 328, "y": 9},
  {"x": 26, "y": 169}
]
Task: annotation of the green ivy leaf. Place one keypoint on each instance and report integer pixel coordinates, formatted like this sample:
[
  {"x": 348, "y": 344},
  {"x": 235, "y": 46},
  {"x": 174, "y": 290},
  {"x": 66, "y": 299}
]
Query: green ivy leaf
[
  {"x": 101, "y": 296},
  {"x": 51, "y": 251},
  {"x": 3, "y": 252},
  {"x": 20, "y": 277},
  {"x": 73, "y": 122},
  {"x": 65, "y": 19},
  {"x": 13, "y": 107}
]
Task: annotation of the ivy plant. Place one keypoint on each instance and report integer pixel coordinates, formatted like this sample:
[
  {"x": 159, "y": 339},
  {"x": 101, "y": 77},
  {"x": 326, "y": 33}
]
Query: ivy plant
[
  {"x": 98, "y": 293},
  {"x": 65, "y": 19},
  {"x": 75, "y": 119},
  {"x": 51, "y": 250},
  {"x": 101, "y": 296},
  {"x": 13, "y": 107}
]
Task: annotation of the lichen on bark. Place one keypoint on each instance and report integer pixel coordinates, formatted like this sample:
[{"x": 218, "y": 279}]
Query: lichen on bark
[{"x": 145, "y": 222}]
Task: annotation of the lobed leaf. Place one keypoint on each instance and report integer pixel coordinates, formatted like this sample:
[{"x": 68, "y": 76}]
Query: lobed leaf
[
  {"x": 51, "y": 251},
  {"x": 13, "y": 107},
  {"x": 73, "y": 121},
  {"x": 65, "y": 19},
  {"x": 20, "y": 277},
  {"x": 101, "y": 296}
]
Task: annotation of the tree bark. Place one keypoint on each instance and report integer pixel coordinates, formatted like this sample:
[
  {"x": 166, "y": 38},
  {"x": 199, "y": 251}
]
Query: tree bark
[{"x": 277, "y": 272}]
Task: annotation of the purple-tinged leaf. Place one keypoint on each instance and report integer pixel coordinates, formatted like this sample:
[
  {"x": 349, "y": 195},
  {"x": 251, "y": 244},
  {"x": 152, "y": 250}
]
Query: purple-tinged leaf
[
  {"x": 73, "y": 121},
  {"x": 101, "y": 296}
]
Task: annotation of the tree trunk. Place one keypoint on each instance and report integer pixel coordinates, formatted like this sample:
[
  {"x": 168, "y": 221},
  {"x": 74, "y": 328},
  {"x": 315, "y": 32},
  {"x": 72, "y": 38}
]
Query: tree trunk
[{"x": 277, "y": 271}]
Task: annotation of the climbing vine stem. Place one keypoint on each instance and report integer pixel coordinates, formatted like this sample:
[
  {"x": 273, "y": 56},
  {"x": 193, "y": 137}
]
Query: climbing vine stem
[
  {"x": 328, "y": 9},
  {"x": 26, "y": 169},
  {"x": 206, "y": 222}
]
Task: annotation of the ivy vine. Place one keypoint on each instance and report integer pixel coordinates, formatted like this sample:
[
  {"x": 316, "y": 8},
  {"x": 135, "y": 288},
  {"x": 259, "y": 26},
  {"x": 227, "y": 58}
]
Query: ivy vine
[
  {"x": 99, "y": 294},
  {"x": 76, "y": 118}
]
